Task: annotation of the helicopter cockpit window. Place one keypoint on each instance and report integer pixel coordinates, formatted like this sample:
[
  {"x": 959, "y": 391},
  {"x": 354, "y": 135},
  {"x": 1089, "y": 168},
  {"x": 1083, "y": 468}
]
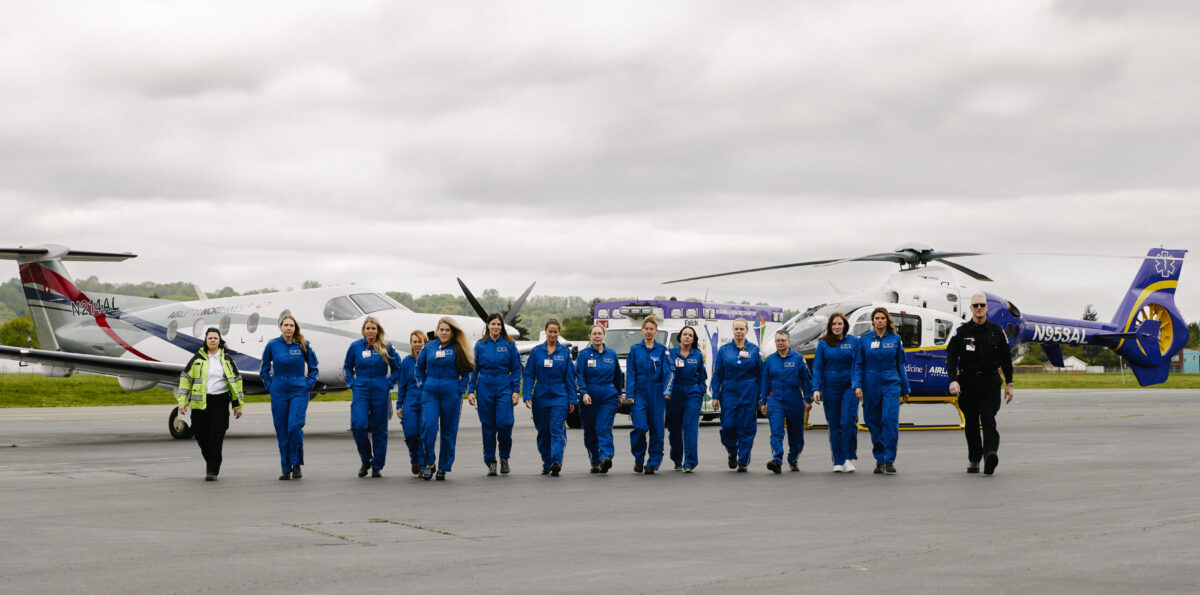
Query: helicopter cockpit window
[
  {"x": 370, "y": 302},
  {"x": 341, "y": 308},
  {"x": 807, "y": 327},
  {"x": 941, "y": 331},
  {"x": 908, "y": 326}
]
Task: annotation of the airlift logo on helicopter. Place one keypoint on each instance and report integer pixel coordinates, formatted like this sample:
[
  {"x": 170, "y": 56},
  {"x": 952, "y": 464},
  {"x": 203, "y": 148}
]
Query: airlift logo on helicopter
[{"x": 927, "y": 305}]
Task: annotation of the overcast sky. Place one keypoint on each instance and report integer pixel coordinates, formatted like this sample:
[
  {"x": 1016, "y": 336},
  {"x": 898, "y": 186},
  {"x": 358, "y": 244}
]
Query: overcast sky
[{"x": 603, "y": 148}]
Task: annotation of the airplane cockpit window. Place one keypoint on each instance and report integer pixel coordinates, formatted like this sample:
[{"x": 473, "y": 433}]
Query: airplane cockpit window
[
  {"x": 341, "y": 308},
  {"x": 370, "y": 302},
  {"x": 395, "y": 304}
]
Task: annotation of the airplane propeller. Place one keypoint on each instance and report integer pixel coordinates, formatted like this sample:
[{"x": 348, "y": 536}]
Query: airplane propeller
[
  {"x": 908, "y": 256},
  {"x": 509, "y": 317}
]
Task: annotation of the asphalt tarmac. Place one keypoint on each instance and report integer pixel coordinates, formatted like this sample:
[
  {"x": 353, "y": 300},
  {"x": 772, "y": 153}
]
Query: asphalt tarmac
[{"x": 1096, "y": 492}]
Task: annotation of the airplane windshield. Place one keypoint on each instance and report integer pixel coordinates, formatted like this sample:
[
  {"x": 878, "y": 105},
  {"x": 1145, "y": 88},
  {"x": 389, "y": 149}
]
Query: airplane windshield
[
  {"x": 370, "y": 302},
  {"x": 620, "y": 340},
  {"x": 808, "y": 326}
]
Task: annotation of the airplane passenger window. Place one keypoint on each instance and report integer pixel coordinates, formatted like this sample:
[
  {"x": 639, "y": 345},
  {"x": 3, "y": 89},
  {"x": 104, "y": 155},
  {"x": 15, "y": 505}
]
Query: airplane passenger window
[
  {"x": 224, "y": 325},
  {"x": 252, "y": 323},
  {"x": 172, "y": 329},
  {"x": 370, "y": 302},
  {"x": 341, "y": 308}
]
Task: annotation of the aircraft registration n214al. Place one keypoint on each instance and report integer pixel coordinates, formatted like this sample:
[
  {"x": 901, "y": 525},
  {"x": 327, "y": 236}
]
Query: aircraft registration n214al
[
  {"x": 145, "y": 342},
  {"x": 927, "y": 305}
]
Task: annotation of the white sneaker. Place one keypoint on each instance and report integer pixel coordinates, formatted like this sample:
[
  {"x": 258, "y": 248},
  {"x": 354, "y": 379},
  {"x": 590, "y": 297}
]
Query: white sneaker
[
  {"x": 849, "y": 467},
  {"x": 837, "y": 468}
]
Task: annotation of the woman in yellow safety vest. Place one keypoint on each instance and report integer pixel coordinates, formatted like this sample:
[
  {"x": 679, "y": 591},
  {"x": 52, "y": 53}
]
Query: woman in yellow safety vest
[{"x": 209, "y": 384}]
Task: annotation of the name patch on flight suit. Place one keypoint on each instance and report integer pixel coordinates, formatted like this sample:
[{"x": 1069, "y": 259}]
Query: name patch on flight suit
[
  {"x": 295, "y": 351},
  {"x": 678, "y": 362},
  {"x": 548, "y": 363},
  {"x": 743, "y": 354},
  {"x": 591, "y": 363},
  {"x": 440, "y": 353},
  {"x": 366, "y": 353},
  {"x": 874, "y": 344},
  {"x": 789, "y": 364},
  {"x": 502, "y": 349}
]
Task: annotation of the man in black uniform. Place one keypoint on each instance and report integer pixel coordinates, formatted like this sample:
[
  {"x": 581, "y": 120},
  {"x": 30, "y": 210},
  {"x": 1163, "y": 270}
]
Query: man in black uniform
[{"x": 976, "y": 353}]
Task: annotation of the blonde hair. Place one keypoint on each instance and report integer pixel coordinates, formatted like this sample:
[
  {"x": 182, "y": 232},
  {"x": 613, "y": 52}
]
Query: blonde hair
[
  {"x": 296, "y": 336},
  {"x": 741, "y": 320},
  {"x": 463, "y": 359},
  {"x": 417, "y": 333},
  {"x": 651, "y": 319},
  {"x": 603, "y": 329},
  {"x": 380, "y": 345}
]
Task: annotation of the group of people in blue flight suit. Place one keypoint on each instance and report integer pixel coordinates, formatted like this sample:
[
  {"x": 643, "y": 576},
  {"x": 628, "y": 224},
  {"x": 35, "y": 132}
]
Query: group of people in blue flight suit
[{"x": 665, "y": 390}]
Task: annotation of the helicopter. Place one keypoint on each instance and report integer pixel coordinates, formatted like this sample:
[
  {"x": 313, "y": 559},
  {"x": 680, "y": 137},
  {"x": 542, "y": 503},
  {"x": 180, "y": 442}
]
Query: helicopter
[{"x": 927, "y": 304}]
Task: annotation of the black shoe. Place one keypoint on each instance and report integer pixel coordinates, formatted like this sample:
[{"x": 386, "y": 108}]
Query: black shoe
[
  {"x": 545, "y": 471},
  {"x": 504, "y": 466},
  {"x": 890, "y": 469},
  {"x": 650, "y": 470},
  {"x": 678, "y": 467},
  {"x": 492, "y": 469},
  {"x": 286, "y": 475},
  {"x": 376, "y": 474},
  {"x": 605, "y": 465},
  {"x": 296, "y": 474},
  {"x": 878, "y": 469},
  {"x": 416, "y": 469},
  {"x": 637, "y": 467},
  {"x": 554, "y": 469},
  {"x": 742, "y": 469},
  {"x": 688, "y": 469},
  {"x": 732, "y": 461},
  {"x": 441, "y": 475},
  {"x": 774, "y": 467},
  {"x": 427, "y": 473},
  {"x": 210, "y": 477},
  {"x": 595, "y": 467},
  {"x": 990, "y": 460},
  {"x": 973, "y": 467},
  {"x": 793, "y": 465},
  {"x": 362, "y": 470}
]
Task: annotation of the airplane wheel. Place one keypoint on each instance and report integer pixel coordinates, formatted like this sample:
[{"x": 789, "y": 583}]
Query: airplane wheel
[
  {"x": 573, "y": 420},
  {"x": 179, "y": 431}
]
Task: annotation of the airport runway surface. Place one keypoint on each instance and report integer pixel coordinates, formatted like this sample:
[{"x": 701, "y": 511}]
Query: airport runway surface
[{"x": 1097, "y": 492}]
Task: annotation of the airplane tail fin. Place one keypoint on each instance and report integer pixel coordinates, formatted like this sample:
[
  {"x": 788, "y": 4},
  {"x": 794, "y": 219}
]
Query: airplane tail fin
[
  {"x": 51, "y": 295},
  {"x": 1148, "y": 311}
]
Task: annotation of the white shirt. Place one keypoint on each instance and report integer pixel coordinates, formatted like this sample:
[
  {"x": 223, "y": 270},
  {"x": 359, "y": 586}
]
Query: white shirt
[{"x": 216, "y": 382}]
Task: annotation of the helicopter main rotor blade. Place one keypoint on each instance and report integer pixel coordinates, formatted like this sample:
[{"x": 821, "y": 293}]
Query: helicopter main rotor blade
[
  {"x": 512, "y": 312},
  {"x": 771, "y": 268},
  {"x": 483, "y": 315},
  {"x": 962, "y": 269}
]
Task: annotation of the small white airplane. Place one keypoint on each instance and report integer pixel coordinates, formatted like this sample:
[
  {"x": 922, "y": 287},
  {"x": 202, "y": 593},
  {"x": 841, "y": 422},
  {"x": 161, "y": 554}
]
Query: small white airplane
[{"x": 145, "y": 342}]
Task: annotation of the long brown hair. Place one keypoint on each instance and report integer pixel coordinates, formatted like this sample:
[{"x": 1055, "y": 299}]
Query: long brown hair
[
  {"x": 503, "y": 331},
  {"x": 891, "y": 328},
  {"x": 380, "y": 344},
  {"x": 296, "y": 336},
  {"x": 830, "y": 339},
  {"x": 463, "y": 359}
]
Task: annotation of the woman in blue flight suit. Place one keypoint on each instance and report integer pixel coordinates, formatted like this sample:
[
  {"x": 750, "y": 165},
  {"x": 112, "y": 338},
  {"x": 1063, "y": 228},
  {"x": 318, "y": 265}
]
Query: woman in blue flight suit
[
  {"x": 496, "y": 383},
  {"x": 600, "y": 382},
  {"x": 550, "y": 391},
  {"x": 408, "y": 402},
  {"x": 443, "y": 369},
  {"x": 785, "y": 398},
  {"x": 372, "y": 367},
  {"x": 289, "y": 371},
  {"x": 832, "y": 367},
  {"x": 881, "y": 381},
  {"x": 686, "y": 383},
  {"x": 736, "y": 384},
  {"x": 646, "y": 369}
]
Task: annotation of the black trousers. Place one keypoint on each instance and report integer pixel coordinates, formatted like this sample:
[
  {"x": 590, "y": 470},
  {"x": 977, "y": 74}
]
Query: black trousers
[
  {"x": 208, "y": 426},
  {"x": 980, "y": 403}
]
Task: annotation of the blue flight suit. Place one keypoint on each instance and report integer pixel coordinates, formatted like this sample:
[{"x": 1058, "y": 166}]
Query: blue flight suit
[
  {"x": 879, "y": 372},
  {"x": 736, "y": 383},
  {"x": 370, "y": 379},
  {"x": 288, "y": 373},
  {"x": 832, "y": 368},
  {"x": 646, "y": 373},
  {"x": 550, "y": 383},
  {"x": 786, "y": 387},
  {"x": 408, "y": 402},
  {"x": 599, "y": 378},
  {"x": 497, "y": 375},
  {"x": 687, "y": 381},
  {"x": 442, "y": 389}
]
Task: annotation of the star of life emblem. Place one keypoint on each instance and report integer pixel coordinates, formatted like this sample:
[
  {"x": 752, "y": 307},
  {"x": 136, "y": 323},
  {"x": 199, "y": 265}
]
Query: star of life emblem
[{"x": 1163, "y": 265}]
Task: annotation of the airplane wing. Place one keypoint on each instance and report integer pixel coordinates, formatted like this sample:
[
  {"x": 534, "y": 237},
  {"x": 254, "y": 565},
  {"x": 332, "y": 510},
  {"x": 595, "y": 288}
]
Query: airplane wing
[{"x": 164, "y": 373}]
